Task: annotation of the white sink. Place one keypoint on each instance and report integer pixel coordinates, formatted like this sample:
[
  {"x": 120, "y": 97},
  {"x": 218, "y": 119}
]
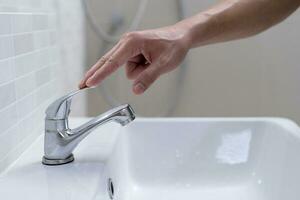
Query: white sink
[{"x": 168, "y": 159}]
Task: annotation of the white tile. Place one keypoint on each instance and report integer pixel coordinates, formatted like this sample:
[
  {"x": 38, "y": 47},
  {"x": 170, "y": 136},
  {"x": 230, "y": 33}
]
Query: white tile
[
  {"x": 22, "y": 23},
  {"x": 8, "y": 2},
  {"x": 7, "y": 70},
  {"x": 8, "y": 5},
  {"x": 6, "y": 47},
  {"x": 36, "y": 5},
  {"x": 38, "y": 115},
  {"x": 25, "y": 85},
  {"x": 46, "y": 92},
  {"x": 24, "y": 4},
  {"x": 18, "y": 138},
  {"x": 27, "y": 125},
  {"x": 40, "y": 22},
  {"x": 43, "y": 57},
  {"x": 7, "y": 94},
  {"x": 31, "y": 123},
  {"x": 23, "y": 43},
  {"x": 26, "y": 105},
  {"x": 8, "y": 117},
  {"x": 53, "y": 37},
  {"x": 5, "y": 24},
  {"x": 18, "y": 148},
  {"x": 41, "y": 39},
  {"x": 54, "y": 56},
  {"x": 52, "y": 21},
  {"x": 8, "y": 140},
  {"x": 43, "y": 75},
  {"x": 25, "y": 63}
]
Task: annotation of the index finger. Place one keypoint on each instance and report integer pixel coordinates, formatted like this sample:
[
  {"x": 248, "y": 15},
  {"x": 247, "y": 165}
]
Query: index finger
[
  {"x": 96, "y": 66},
  {"x": 117, "y": 59}
]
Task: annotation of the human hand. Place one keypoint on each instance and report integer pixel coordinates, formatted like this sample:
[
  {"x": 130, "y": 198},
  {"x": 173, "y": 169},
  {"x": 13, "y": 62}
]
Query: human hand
[{"x": 146, "y": 55}]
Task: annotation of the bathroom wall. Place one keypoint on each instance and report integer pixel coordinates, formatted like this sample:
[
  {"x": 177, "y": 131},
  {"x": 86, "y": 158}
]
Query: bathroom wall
[
  {"x": 258, "y": 76},
  {"x": 39, "y": 42}
]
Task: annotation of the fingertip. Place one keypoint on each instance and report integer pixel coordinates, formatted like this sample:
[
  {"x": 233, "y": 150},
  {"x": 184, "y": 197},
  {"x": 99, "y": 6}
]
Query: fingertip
[
  {"x": 91, "y": 83},
  {"x": 139, "y": 88},
  {"x": 81, "y": 85}
]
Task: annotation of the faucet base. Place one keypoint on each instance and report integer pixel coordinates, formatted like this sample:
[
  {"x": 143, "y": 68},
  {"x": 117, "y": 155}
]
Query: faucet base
[{"x": 47, "y": 161}]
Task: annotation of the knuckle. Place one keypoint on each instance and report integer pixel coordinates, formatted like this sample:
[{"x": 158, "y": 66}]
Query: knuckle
[
  {"x": 163, "y": 61},
  {"x": 112, "y": 62},
  {"x": 102, "y": 60},
  {"x": 131, "y": 36}
]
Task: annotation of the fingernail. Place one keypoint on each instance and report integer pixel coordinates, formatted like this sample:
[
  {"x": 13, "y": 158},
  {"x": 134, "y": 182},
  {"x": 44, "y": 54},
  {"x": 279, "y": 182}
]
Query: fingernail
[
  {"x": 139, "y": 88},
  {"x": 89, "y": 82}
]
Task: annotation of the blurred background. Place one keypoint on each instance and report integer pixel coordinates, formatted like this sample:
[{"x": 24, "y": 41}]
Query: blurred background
[
  {"x": 258, "y": 76},
  {"x": 46, "y": 46}
]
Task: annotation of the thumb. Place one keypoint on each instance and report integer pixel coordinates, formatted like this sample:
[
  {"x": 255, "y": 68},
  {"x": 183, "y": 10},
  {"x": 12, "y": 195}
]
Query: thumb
[{"x": 145, "y": 79}]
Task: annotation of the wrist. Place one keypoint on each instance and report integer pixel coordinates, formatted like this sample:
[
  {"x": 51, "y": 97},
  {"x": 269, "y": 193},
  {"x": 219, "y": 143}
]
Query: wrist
[
  {"x": 186, "y": 37},
  {"x": 195, "y": 30}
]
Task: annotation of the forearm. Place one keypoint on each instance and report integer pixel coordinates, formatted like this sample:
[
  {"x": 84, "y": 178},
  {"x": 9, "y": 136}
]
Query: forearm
[{"x": 235, "y": 19}]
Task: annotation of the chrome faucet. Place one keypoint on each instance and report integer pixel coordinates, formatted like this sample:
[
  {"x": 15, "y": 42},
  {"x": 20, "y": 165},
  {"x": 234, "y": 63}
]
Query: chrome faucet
[{"x": 60, "y": 140}]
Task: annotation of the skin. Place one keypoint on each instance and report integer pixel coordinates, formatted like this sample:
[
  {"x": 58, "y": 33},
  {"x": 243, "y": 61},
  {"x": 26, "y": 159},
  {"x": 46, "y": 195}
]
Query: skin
[{"x": 149, "y": 54}]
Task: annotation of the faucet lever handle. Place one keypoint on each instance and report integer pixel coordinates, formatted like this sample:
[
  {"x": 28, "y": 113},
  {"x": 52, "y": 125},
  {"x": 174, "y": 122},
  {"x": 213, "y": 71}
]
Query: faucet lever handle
[{"x": 60, "y": 108}]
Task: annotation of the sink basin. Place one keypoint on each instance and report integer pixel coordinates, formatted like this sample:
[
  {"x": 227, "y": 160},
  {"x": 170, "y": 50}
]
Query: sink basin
[{"x": 168, "y": 159}]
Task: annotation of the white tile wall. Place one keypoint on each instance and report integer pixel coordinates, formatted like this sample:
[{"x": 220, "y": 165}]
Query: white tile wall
[
  {"x": 37, "y": 43},
  {"x": 5, "y": 24},
  {"x": 6, "y": 47},
  {"x": 22, "y": 23},
  {"x": 7, "y": 70},
  {"x": 23, "y": 43}
]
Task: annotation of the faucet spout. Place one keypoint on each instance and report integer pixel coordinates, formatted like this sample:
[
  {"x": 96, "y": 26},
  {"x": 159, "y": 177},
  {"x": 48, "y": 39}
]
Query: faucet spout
[
  {"x": 60, "y": 140},
  {"x": 121, "y": 114}
]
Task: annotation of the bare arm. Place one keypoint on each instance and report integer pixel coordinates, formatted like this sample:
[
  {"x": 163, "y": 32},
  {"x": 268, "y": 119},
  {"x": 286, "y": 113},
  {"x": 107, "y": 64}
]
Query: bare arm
[
  {"x": 235, "y": 19},
  {"x": 151, "y": 53}
]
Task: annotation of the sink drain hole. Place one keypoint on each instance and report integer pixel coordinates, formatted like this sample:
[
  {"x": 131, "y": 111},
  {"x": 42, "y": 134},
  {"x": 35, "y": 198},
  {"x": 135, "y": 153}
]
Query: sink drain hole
[{"x": 110, "y": 188}]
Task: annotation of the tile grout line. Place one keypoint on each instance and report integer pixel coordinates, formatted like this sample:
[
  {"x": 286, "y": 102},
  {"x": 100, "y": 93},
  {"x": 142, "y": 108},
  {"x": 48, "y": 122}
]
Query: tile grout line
[
  {"x": 26, "y": 13},
  {"x": 26, "y": 74},
  {"x": 24, "y": 118},
  {"x": 18, "y": 146},
  {"x": 31, "y": 93},
  {"x": 27, "y": 32}
]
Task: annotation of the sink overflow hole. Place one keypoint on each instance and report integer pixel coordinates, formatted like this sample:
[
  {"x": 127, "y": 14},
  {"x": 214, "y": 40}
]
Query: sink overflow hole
[{"x": 110, "y": 188}]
